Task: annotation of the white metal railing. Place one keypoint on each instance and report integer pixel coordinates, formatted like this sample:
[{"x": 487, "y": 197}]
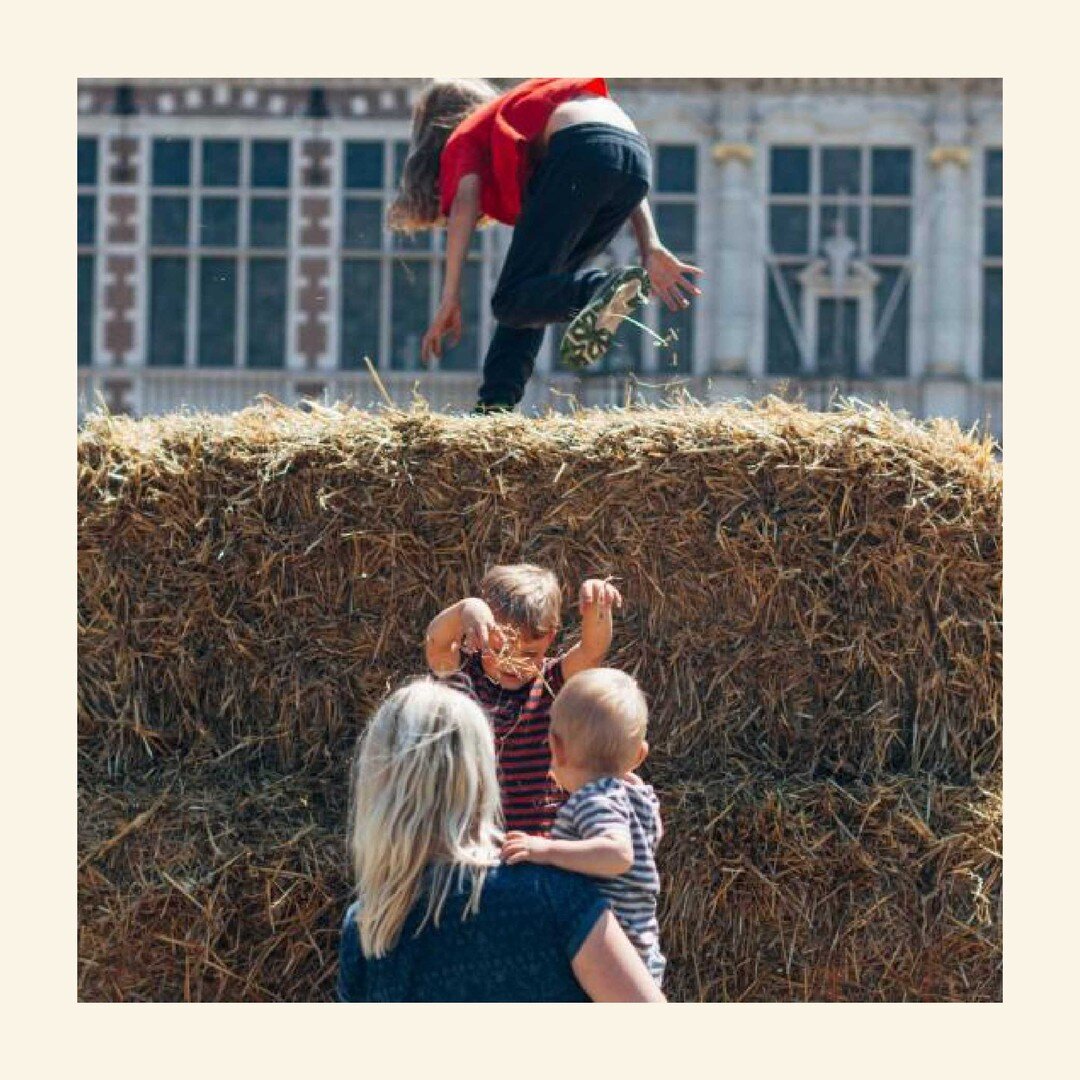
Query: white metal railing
[{"x": 152, "y": 391}]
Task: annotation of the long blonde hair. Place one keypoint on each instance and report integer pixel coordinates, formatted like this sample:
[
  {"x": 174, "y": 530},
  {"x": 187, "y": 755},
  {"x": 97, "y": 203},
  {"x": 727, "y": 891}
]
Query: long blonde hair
[
  {"x": 425, "y": 794},
  {"x": 441, "y": 106}
]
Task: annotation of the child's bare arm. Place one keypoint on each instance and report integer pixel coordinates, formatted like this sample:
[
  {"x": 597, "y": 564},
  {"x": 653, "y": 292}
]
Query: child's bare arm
[
  {"x": 601, "y": 856},
  {"x": 668, "y": 274},
  {"x": 470, "y": 618},
  {"x": 595, "y": 602},
  {"x": 464, "y": 213}
]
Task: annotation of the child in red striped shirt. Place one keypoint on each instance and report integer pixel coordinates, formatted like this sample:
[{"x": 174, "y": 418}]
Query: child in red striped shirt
[
  {"x": 494, "y": 646},
  {"x": 563, "y": 164}
]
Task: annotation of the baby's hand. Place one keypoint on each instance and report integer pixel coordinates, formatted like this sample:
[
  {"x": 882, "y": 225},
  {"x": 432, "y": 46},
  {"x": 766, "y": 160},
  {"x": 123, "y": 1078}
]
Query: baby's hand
[
  {"x": 599, "y": 591},
  {"x": 520, "y": 847}
]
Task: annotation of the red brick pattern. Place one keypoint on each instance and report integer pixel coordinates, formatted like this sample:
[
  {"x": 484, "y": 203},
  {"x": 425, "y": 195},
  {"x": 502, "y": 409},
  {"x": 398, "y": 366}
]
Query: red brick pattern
[
  {"x": 314, "y": 221},
  {"x": 313, "y": 337},
  {"x": 122, "y": 222},
  {"x": 119, "y": 307},
  {"x": 315, "y": 162},
  {"x": 123, "y": 160},
  {"x": 116, "y": 394}
]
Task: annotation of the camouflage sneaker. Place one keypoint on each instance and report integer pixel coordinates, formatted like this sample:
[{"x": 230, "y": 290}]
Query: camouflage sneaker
[{"x": 589, "y": 335}]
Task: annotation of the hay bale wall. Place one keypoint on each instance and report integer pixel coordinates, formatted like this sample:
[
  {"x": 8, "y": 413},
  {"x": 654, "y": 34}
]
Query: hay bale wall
[{"x": 812, "y": 604}]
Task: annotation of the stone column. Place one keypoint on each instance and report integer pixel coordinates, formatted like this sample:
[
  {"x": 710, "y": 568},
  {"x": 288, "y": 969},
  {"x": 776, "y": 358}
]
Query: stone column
[
  {"x": 949, "y": 161},
  {"x": 733, "y": 238}
]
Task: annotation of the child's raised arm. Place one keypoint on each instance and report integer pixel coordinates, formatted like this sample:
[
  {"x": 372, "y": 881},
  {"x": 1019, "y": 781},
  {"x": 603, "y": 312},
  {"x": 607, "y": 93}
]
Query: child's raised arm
[
  {"x": 595, "y": 601},
  {"x": 471, "y": 619}
]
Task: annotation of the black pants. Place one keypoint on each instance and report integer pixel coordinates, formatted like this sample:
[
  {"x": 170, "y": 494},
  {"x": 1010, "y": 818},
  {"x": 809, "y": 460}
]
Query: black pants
[{"x": 591, "y": 179}]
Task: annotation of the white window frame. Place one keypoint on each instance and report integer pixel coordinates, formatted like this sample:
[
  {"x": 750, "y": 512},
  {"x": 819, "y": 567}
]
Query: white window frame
[
  {"x": 243, "y": 252},
  {"x": 816, "y": 200}
]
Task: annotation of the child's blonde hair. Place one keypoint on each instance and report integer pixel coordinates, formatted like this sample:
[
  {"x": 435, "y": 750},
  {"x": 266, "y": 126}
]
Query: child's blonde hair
[
  {"x": 601, "y": 716},
  {"x": 425, "y": 794},
  {"x": 441, "y": 106},
  {"x": 525, "y": 596}
]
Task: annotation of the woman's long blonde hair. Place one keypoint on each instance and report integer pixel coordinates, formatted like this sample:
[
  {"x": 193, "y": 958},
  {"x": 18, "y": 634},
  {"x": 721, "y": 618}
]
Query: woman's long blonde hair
[
  {"x": 441, "y": 106},
  {"x": 425, "y": 794}
]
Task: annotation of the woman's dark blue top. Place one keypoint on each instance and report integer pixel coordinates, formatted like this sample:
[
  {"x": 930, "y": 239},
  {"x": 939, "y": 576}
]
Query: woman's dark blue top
[{"x": 531, "y": 922}]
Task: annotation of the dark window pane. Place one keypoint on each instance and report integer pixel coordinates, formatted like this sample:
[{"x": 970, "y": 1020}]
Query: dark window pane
[
  {"x": 169, "y": 221},
  {"x": 890, "y": 171},
  {"x": 221, "y": 163},
  {"x": 830, "y": 215},
  {"x": 219, "y": 225},
  {"x": 677, "y": 225},
  {"x": 401, "y": 152},
  {"x": 466, "y": 355},
  {"x": 991, "y": 323},
  {"x": 993, "y": 174},
  {"x": 360, "y": 290},
  {"x": 270, "y": 163},
  {"x": 789, "y": 170},
  {"x": 363, "y": 224},
  {"x": 782, "y": 349},
  {"x": 168, "y": 311},
  {"x": 86, "y": 310},
  {"x": 992, "y": 231},
  {"x": 678, "y": 357},
  {"x": 269, "y": 223},
  {"x": 88, "y": 161},
  {"x": 266, "y": 313},
  {"x": 217, "y": 313},
  {"x": 890, "y": 228},
  {"x": 87, "y": 218},
  {"x": 841, "y": 170},
  {"x": 789, "y": 230},
  {"x": 676, "y": 168},
  {"x": 890, "y": 360},
  {"x": 364, "y": 165},
  {"x": 171, "y": 162},
  {"x": 837, "y": 336},
  {"x": 417, "y": 241},
  {"x": 409, "y": 313}
]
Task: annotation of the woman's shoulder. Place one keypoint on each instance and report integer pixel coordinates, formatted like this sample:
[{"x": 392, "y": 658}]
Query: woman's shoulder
[{"x": 546, "y": 886}]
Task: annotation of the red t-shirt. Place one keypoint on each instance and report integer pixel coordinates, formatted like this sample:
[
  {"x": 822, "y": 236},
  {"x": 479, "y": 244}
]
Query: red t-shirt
[{"x": 494, "y": 143}]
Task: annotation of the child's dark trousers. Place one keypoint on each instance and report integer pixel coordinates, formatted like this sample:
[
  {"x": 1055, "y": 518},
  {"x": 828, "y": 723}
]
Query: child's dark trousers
[{"x": 591, "y": 179}]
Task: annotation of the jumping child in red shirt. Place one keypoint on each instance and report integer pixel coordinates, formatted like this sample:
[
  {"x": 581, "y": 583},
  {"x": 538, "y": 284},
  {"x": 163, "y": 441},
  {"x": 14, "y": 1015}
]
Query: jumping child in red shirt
[{"x": 563, "y": 164}]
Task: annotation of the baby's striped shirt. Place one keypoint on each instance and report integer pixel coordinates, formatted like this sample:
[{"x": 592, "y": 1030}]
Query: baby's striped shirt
[{"x": 614, "y": 807}]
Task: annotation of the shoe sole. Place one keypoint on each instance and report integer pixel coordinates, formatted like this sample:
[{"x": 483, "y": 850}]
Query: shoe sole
[{"x": 590, "y": 334}]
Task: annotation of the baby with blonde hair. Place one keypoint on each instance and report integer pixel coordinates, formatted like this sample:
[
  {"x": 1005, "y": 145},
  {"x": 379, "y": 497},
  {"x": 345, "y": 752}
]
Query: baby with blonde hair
[{"x": 610, "y": 825}]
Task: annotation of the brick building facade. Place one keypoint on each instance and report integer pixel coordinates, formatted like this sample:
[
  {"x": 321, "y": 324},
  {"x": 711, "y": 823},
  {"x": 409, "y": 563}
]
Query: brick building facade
[{"x": 231, "y": 243}]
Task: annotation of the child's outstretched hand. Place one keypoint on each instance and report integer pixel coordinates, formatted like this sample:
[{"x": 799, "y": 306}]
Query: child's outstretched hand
[
  {"x": 447, "y": 322},
  {"x": 669, "y": 277},
  {"x": 598, "y": 591},
  {"x": 520, "y": 847}
]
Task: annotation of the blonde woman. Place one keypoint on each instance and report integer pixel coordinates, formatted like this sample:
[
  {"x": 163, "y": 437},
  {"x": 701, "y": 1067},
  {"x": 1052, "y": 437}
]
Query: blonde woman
[{"x": 437, "y": 917}]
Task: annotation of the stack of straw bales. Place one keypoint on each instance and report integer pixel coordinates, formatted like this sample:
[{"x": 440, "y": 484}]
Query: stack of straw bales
[{"x": 813, "y": 605}]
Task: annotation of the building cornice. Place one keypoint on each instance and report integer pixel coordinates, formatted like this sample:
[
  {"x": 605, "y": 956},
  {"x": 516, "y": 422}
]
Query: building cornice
[{"x": 392, "y": 98}]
